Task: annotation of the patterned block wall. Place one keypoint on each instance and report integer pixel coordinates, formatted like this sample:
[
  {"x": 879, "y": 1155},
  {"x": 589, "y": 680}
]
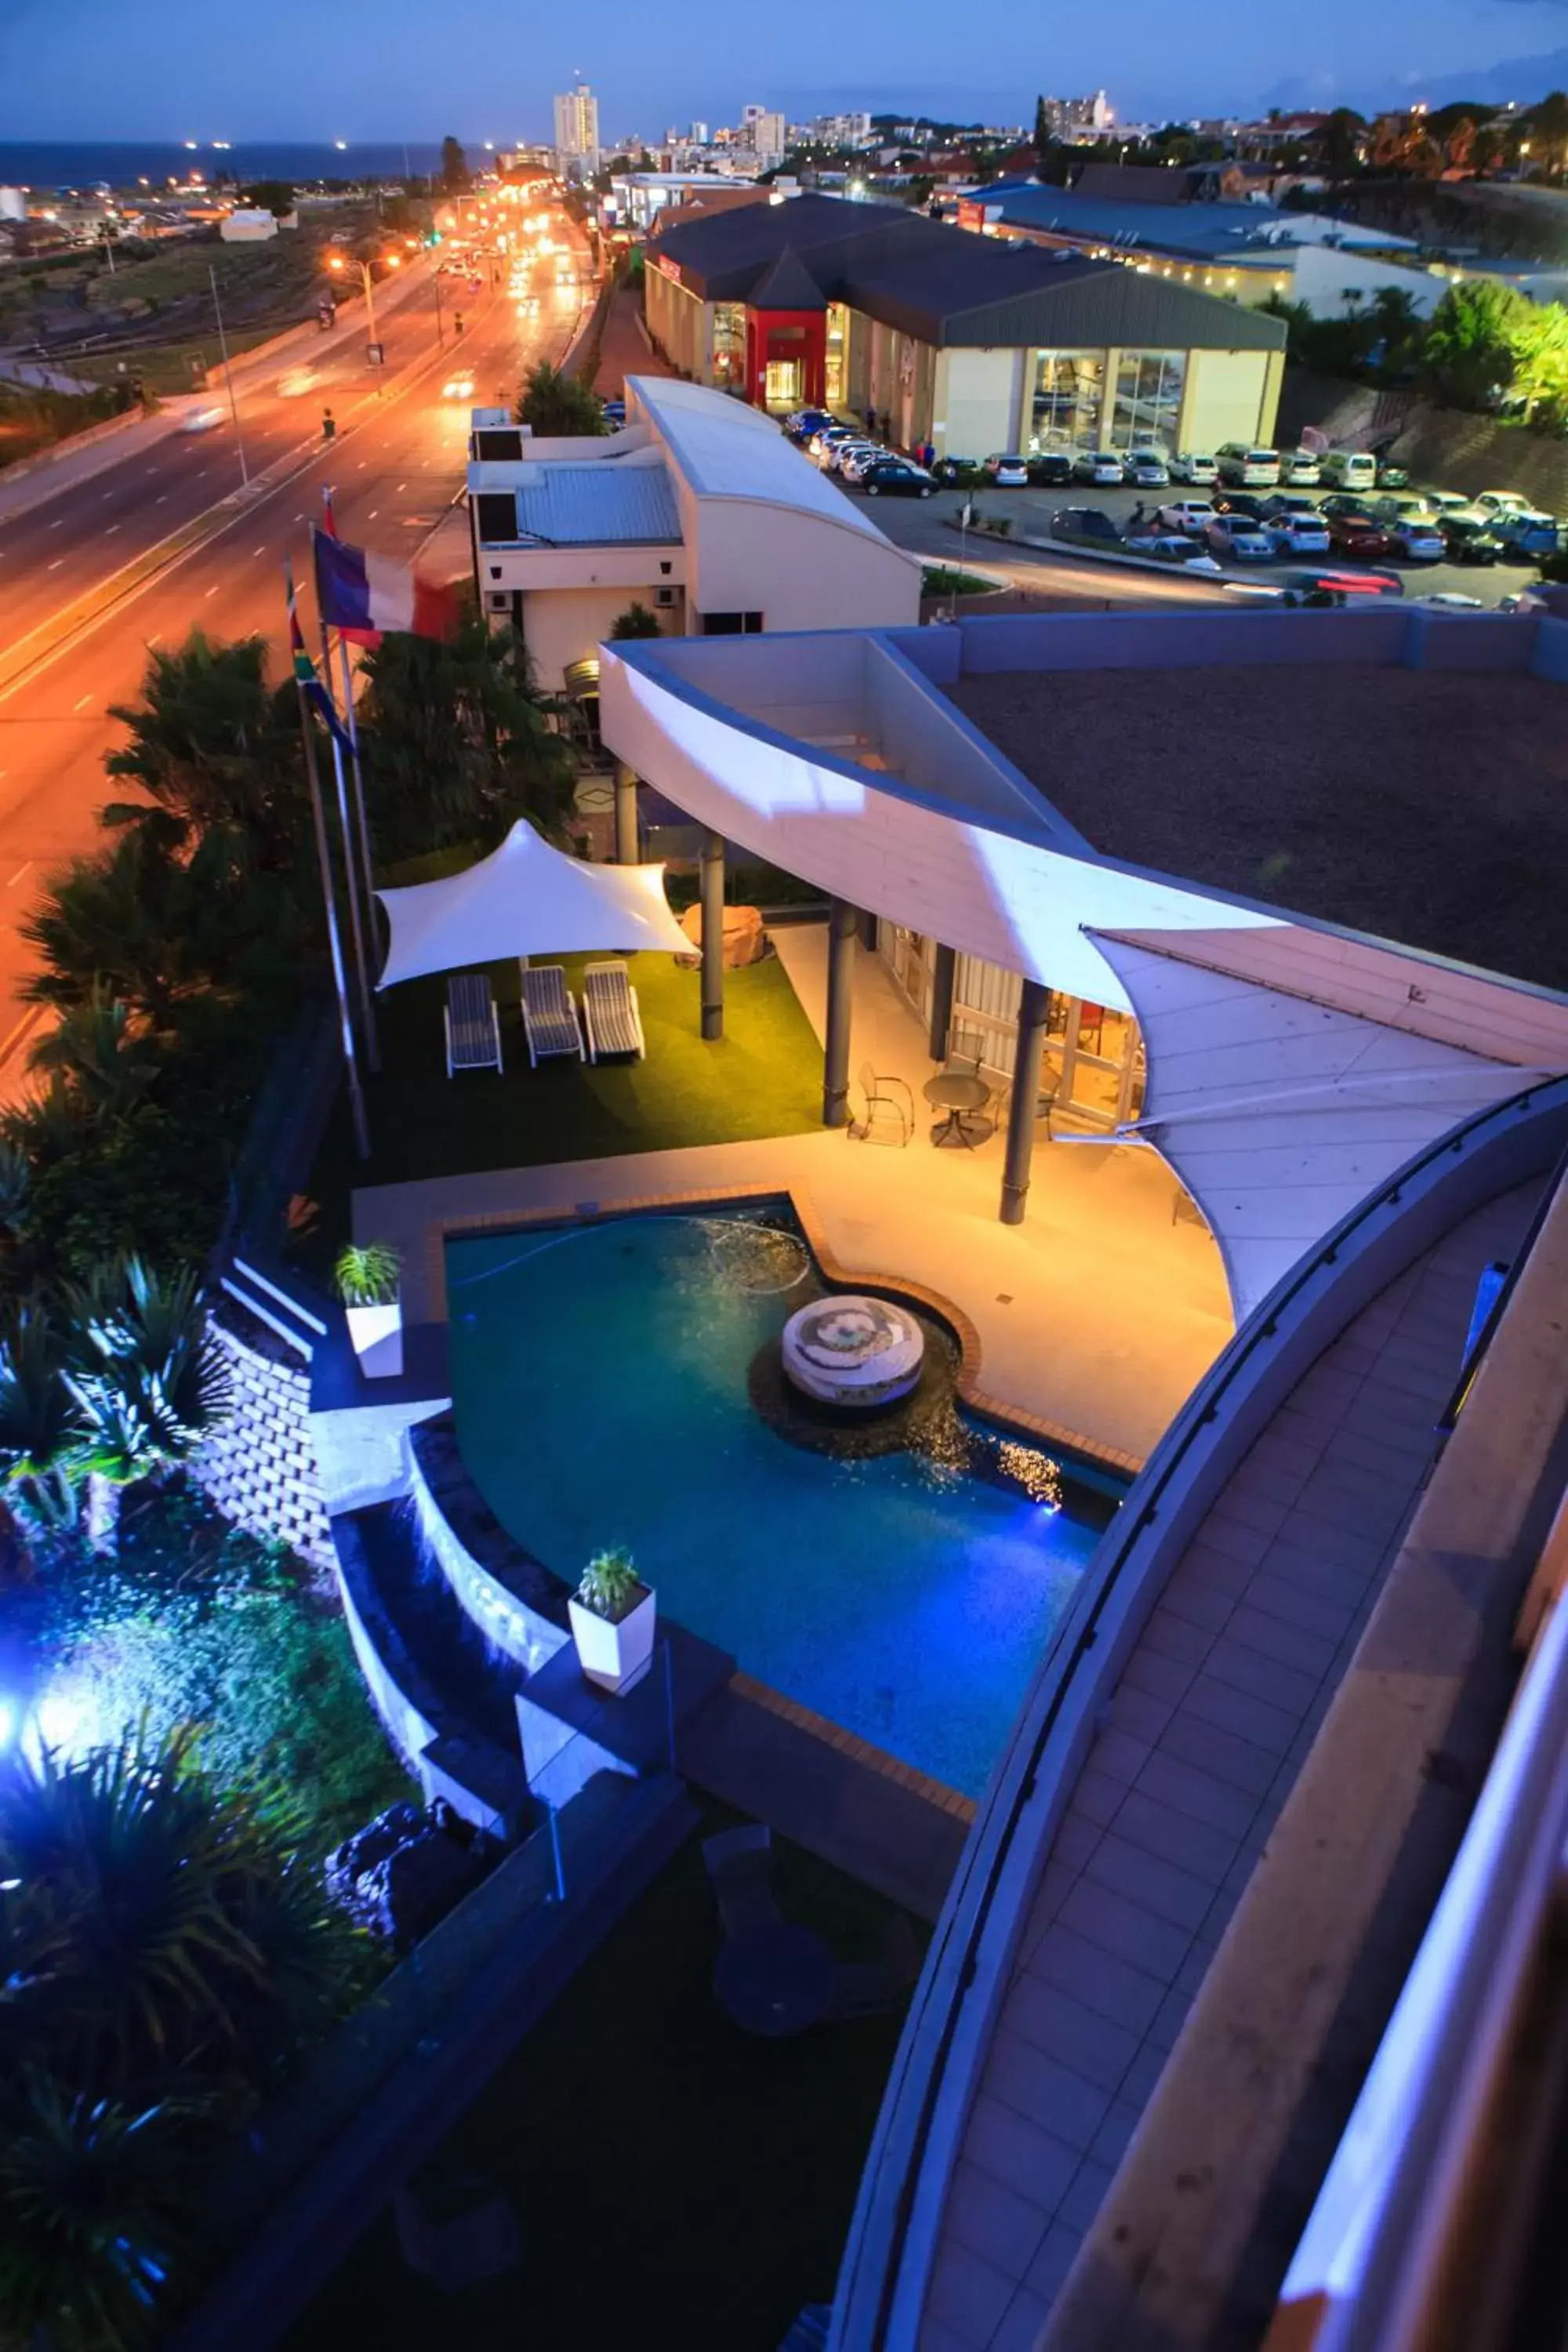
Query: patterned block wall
[{"x": 261, "y": 1468}]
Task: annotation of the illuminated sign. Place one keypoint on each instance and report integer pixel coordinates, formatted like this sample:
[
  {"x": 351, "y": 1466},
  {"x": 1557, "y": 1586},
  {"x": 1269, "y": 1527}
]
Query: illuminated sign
[{"x": 670, "y": 270}]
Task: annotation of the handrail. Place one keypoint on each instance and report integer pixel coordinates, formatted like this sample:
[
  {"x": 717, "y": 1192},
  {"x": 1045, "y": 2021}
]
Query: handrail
[
  {"x": 1475, "y": 1354},
  {"x": 971, "y": 1903}
]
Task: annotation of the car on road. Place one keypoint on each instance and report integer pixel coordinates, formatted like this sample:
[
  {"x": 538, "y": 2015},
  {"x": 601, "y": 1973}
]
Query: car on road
[
  {"x": 1101, "y": 466},
  {"x": 1244, "y": 468},
  {"x": 298, "y": 382},
  {"x": 1298, "y": 534},
  {"x": 1051, "y": 469},
  {"x": 1414, "y": 539},
  {"x": 1009, "y": 471},
  {"x": 1239, "y": 538},
  {"x": 458, "y": 387},
  {"x": 201, "y": 420},
  {"x": 1300, "y": 469},
  {"x": 1451, "y": 600},
  {"x": 1469, "y": 539},
  {"x": 1192, "y": 515},
  {"x": 1190, "y": 466},
  {"x": 1530, "y": 534},
  {"x": 1145, "y": 469},
  {"x": 894, "y": 477},
  {"x": 1089, "y": 525},
  {"x": 1356, "y": 533}
]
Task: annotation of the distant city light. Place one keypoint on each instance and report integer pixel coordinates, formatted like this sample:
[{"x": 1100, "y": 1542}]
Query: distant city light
[
  {"x": 339, "y": 144},
  {"x": 192, "y": 144}
]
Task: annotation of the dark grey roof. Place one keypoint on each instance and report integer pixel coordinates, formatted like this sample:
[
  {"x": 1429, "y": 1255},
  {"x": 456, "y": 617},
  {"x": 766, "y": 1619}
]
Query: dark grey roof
[
  {"x": 788, "y": 285},
  {"x": 949, "y": 287}
]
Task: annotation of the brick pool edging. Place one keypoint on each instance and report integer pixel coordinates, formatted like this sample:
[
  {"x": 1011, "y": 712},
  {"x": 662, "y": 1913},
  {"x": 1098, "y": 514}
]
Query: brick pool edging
[{"x": 1007, "y": 1417}]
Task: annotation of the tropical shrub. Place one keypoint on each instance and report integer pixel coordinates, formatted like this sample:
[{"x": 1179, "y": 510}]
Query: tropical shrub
[
  {"x": 608, "y": 1585},
  {"x": 367, "y": 1273}
]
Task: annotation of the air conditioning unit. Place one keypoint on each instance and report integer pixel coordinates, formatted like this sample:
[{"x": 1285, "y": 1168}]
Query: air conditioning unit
[
  {"x": 665, "y": 599},
  {"x": 499, "y": 600}
]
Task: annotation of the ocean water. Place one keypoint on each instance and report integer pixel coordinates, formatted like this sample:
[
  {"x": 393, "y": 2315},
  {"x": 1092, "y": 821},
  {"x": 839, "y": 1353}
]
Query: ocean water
[
  {"x": 601, "y": 1380},
  {"x": 58, "y": 168}
]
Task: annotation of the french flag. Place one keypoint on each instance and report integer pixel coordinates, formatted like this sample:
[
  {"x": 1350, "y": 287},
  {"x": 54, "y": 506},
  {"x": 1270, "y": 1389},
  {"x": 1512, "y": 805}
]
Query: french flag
[{"x": 366, "y": 596}]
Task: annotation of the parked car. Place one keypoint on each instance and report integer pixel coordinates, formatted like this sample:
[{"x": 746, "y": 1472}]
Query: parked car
[
  {"x": 1451, "y": 600},
  {"x": 1101, "y": 466},
  {"x": 1501, "y": 502},
  {"x": 1409, "y": 506},
  {"x": 1529, "y": 534},
  {"x": 1342, "y": 502},
  {"x": 1172, "y": 546},
  {"x": 823, "y": 439},
  {"x": 807, "y": 421},
  {"x": 1446, "y": 502},
  {"x": 1356, "y": 534},
  {"x": 1090, "y": 524},
  {"x": 895, "y": 477},
  {"x": 1050, "y": 470},
  {"x": 1009, "y": 472},
  {"x": 833, "y": 456},
  {"x": 1145, "y": 469},
  {"x": 1414, "y": 539},
  {"x": 1189, "y": 467},
  {"x": 1246, "y": 468},
  {"x": 1239, "y": 537},
  {"x": 1391, "y": 477},
  {"x": 1193, "y": 516},
  {"x": 1301, "y": 469},
  {"x": 1291, "y": 503},
  {"x": 1242, "y": 502},
  {"x": 1349, "y": 469},
  {"x": 1297, "y": 534},
  {"x": 853, "y": 461},
  {"x": 1468, "y": 539}
]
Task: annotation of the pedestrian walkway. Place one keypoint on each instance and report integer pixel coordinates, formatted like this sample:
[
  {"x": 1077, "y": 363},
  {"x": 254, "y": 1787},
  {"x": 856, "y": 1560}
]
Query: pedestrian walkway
[{"x": 625, "y": 351}]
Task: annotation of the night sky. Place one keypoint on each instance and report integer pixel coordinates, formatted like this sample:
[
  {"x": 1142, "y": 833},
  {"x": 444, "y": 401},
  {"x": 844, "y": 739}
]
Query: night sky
[{"x": 486, "y": 69}]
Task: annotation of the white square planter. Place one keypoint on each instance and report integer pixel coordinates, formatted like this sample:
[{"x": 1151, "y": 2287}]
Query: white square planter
[
  {"x": 614, "y": 1656},
  {"x": 377, "y": 1336}
]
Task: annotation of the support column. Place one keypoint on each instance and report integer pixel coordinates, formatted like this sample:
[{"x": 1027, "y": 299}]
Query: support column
[
  {"x": 712, "y": 935},
  {"x": 1028, "y": 1054},
  {"x": 943, "y": 973},
  {"x": 842, "y": 924},
  {"x": 625, "y": 816}
]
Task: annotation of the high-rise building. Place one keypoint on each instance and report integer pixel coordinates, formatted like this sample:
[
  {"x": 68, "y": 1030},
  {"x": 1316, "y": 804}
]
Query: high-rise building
[
  {"x": 697, "y": 134},
  {"x": 764, "y": 130},
  {"x": 577, "y": 131}
]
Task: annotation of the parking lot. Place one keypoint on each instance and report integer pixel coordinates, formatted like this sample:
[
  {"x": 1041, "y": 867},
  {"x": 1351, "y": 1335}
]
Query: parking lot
[{"x": 1030, "y": 512}]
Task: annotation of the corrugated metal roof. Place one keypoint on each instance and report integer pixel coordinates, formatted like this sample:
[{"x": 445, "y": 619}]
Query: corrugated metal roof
[{"x": 597, "y": 505}]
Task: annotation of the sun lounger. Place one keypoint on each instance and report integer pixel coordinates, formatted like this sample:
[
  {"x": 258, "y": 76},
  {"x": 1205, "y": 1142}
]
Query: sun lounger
[
  {"x": 610, "y": 1011},
  {"x": 473, "y": 1028},
  {"x": 549, "y": 1015}
]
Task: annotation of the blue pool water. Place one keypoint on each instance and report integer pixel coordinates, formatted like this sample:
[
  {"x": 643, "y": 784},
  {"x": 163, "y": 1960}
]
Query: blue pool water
[{"x": 600, "y": 1382}]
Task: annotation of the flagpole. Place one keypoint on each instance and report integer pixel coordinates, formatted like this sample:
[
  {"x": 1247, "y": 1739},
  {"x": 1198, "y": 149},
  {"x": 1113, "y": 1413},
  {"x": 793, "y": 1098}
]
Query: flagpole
[
  {"x": 351, "y": 875},
  {"x": 329, "y": 900},
  {"x": 361, "y": 826}
]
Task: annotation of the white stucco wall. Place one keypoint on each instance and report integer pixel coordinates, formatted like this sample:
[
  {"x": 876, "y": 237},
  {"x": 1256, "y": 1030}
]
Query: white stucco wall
[
  {"x": 799, "y": 569},
  {"x": 1225, "y": 398},
  {"x": 976, "y": 400},
  {"x": 1324, "y": 274},
  {"x": 563, "y": 624}
]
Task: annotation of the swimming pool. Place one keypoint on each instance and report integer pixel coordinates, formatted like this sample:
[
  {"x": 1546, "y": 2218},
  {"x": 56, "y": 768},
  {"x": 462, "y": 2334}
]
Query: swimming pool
[{"x": 606, "y": 1380}]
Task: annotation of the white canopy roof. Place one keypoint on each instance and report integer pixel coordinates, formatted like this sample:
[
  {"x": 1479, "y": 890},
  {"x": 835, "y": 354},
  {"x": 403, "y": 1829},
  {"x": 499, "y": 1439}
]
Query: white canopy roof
[
  {"x": 527, "y": 900},
  {"x": 1279, "y": 1114}
]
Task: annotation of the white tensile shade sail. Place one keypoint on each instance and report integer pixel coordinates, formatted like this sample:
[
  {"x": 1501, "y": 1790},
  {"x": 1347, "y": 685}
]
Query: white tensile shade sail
[
  {"x": 527, "y": 900},
  {"x": 1279, "y": 1114}
]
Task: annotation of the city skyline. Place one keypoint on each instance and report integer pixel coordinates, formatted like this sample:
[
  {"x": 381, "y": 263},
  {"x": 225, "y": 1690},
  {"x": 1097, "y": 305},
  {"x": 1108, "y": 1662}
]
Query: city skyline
[{"x": 95, "y": 78}]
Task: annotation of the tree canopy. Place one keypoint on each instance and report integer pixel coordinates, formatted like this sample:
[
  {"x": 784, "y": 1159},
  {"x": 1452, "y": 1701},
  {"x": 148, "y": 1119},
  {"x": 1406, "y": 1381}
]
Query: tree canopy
[
  {"x": 453, "y": 166},
  {"x": 274, "y": 196},
  {"x": 555, "y": 404}
]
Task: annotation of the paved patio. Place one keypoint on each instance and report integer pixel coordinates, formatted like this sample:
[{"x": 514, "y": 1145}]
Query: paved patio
[{"x": 1095, "y": 1316}]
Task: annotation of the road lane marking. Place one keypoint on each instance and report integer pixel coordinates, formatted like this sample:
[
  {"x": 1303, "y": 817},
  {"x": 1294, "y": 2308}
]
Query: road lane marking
[
  {"x": 111, "y": 531},
  {"x": 403, "y": 486},
  {"x": 83, "y": 703},
  {"x": 256, "y": 551},
  {"x": 21, "y": 869},
  {"x": 59, "y": 525},
  {"x": 214, "y": 589},
  {"x": 57, "y": 563},
  {"x": 372, "y": 514}
]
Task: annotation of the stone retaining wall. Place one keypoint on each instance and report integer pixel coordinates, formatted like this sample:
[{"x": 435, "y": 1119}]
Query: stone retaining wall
[{"x": 261, "y": 1468}]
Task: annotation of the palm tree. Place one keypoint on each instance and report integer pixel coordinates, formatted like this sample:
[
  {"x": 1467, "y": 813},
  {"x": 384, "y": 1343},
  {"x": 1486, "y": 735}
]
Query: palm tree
[
  {"x": 207, "y": 749},
  {"x": 148, "y": 1378},
  {"x": 95, "y": 1050},
  {"x": 39, "y": 1425}
]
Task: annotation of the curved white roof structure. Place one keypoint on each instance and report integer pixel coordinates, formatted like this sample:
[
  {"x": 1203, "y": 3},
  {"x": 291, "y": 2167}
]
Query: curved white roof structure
[{"x": 525, "y": 899}]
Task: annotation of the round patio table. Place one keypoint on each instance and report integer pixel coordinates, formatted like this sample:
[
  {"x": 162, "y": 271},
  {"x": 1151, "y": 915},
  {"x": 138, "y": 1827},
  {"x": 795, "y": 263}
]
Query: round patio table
[
  {"x": 775, "y": 1979},
  {"x": 958, "y": 1093}
]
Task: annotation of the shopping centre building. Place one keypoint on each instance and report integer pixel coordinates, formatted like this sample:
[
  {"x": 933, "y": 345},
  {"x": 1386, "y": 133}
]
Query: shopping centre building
[{"x": 972, "y": 345}]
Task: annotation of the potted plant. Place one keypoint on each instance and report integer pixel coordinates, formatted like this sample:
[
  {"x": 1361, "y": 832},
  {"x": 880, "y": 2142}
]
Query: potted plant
[
  {"x": 367, "y": 1280},
  {"x": 612, "y": 1615}
]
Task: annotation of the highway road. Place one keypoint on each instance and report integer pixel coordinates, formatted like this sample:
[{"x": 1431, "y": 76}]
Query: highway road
[{"x": 395, "y": 468}]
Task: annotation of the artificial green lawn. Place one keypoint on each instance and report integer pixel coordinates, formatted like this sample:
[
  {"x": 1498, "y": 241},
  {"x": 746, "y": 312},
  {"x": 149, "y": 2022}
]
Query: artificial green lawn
[
  {"x": 762, "y": 1077},
  {"x": 675, "y": 2180}
]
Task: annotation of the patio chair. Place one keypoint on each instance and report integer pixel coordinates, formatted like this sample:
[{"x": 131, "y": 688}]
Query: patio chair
[
  {"x": 740, "y": 1866},
  {"x": 610, "y": 1012},
  {"x": 881, "y": 1092},
  {"x": 549, "y": 1020},
  {"x": 473, "y": 1025}
]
